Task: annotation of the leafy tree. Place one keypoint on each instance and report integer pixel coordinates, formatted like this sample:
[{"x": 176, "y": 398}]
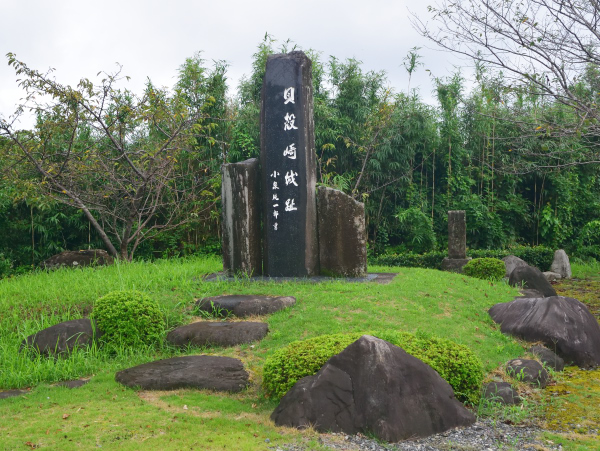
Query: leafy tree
[{"x": 125, "y": 161}]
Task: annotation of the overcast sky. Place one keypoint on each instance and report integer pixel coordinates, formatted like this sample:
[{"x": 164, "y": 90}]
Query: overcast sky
[{"x": 153, "y": 38}]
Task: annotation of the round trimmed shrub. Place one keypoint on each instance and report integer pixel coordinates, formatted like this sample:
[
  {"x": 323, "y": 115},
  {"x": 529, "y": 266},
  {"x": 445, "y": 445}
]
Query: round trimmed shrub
[
  {"x": 485, "y": 268},
  {"x": 455, "y": 363},
  {"x": 129, "y": 316}
]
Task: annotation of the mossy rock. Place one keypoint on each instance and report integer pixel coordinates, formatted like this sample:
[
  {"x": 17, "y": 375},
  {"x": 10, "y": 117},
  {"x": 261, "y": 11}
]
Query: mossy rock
[{"x": 455, "y": 363}]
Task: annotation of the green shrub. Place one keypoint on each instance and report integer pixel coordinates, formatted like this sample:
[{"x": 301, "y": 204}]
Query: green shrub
[
  {"x": 417, "y": 230},
  {"x": 129, "y": 316},
  {"x": 431, "y": 260},
  {"x": 485, "y": 268},
  {"x": 455, "y": 363},
  {"x": 590, "y": 234}
]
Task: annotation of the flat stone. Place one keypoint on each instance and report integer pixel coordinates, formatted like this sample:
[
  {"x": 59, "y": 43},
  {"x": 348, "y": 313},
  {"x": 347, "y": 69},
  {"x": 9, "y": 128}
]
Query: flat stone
[
  {"x": 373, "y": 387},
  {"x": 342, "y": 234},
  {"x": 454, "y": 264},
  {"x": 563, "y": 324},
  {"x": 548, "y": 358},
  {"x": 241, "y": 206},
  {"x": 75, "y": 259},
  {"x": 501, "y": 392},
  {"x": 531, "y": 277},
  {"x": 217, "y": 333},
  {"x": 63, "y": 337},
  {"x": 552, "y": 276},
  {"x": 72, "y": 384},
  {"x": 244, "y": 305},
  {"x": 561, "y": 264},
  {"x": 12, "y": 393},
  {"x": 511, "y": 262},
  {"x": 194, "y": 371},
  {"x": 528, "y": 371}
]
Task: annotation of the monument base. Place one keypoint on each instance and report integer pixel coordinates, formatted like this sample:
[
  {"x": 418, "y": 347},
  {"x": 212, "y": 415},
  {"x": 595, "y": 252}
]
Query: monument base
[{"x": 454, "y": 264}]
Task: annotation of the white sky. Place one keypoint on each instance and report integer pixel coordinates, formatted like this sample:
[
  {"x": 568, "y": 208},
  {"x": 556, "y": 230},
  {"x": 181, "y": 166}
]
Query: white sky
[{"x": 153, "y": 38}]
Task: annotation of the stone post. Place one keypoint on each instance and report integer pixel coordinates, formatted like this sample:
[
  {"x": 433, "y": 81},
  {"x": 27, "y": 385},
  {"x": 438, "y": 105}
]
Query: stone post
[
  {"x": 457, "y": 242},
  {"x": 287, "y": 155},
  {"x": 240, "y": 196}
]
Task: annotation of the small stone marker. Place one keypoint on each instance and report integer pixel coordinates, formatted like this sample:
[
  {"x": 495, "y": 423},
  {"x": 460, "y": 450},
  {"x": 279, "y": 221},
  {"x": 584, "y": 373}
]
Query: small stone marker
[
  {"x": 342, "y": 234},
  {"x": 457, "y": 242},
  {"x": 217, "y": 333},
  {"x": 561, "y": 264},
  {"x": 242, "y": 305},
  {"x": 192, "y": 371},
  {"x": 287, "y": 155},
  {"x": 240, "y": 196}
]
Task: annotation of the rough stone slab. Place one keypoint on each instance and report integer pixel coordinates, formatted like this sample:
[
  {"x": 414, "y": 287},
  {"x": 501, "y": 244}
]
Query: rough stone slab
[
  {"x": 288, "y": 162},
  {"x": 79, "y": 258},
  {"x": 240, "y": 197},
  {"x": 457, "y": 234},
  {"x": 501, "y": 392},
  {"x": 195, "y": 371},
  {"x": 561, "y": 264},
  {"x": 528, "y": 371},
  {"x": 63, "y": 337},
  {"x": 563, "y": 324},
  {"x": 342, "y": 234},
  {"x": 531, "y": 277},
  {"x": 551, "y": 276},
  {"x": 217, "y": 333},
  {"x": 454, "y": 264},
  {"x": 511, "y": 262},
  {"x": 548, "y": 358},
  {"x": 376, "y": 387},
  {"x": 245, "y": 305},
  {"x": 12, "y": 393}
]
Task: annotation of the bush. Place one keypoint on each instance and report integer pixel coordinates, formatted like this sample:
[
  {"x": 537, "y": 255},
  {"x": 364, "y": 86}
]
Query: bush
[
  {"x": 590, "y": 234},
  {"x": 431, "y": 260},
  {"x": 455, "y": 363},
  {"x": 417, "y": 230},
  {"x": 129, "y": 316},
  {"x": 485, "y": 268}
]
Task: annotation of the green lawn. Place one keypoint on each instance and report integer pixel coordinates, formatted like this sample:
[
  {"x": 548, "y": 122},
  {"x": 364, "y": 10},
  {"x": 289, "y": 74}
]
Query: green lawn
[{"x": 107, "y": 414}]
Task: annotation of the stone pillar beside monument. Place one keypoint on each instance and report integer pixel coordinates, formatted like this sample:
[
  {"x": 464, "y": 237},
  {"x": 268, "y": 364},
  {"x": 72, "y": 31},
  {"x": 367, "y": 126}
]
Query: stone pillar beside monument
[
  {"x": 240, "y": 198},
  {"x": 288, "y": 161},
  {"x": 342, "y": 234},
  {"x": 457, "y": 242}
]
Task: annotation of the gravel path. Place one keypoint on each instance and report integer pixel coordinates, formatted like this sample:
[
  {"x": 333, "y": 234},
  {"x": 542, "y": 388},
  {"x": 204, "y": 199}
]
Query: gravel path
[{"x": 484, "y": 435}]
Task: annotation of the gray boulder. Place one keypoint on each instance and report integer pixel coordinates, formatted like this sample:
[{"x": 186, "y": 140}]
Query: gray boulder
[
  {"x": 501, "y": 392},
  {"x": 217, "y": 333},
  {"x": 552, "y": 276},
  {"x": 193, "y": 371},
  {"x": 561, "y": 323},
  {"x": 242, "y": 305},
  {"x": 528, "y": 371},
  {"x": 63, "y": 337},
  {"x": 548, "y": 358},
  {"x": 342, "y": 234},
  {"x": 75, "y": 259},
  {"x": 561, "y": 264},
  {"x": 532, "y": 278},
  {"x": 511, "y": 262},
  {"x": 373, "y": 387}
]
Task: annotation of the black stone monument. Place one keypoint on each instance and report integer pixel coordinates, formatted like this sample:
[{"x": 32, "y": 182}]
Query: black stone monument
[{"x": 288, "y": 168}]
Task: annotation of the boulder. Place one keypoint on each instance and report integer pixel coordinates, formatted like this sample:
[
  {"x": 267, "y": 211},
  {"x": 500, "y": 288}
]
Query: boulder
[
  {"x": 63, "y": 337},
  {"x": 342, "y": 234},
  {"x": 551, "y": 276},
  {"x": 217, "y": 333},
  {"x": 532, "y": 278},
  {"x": 528, "y": 371},
  {"x": 78, "y": 258},
  {"x": 373, "y": 387},
  {"x": 561, "y": 264},
  {"x": 548, "y": 358},
  {"x": 511, "y": 262},
  {"x": 561, "y": 323},
  {"x": 501, "y": 392},
  {"x": 242, "y": 305},
  {"x": 192, "y": 371}
]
